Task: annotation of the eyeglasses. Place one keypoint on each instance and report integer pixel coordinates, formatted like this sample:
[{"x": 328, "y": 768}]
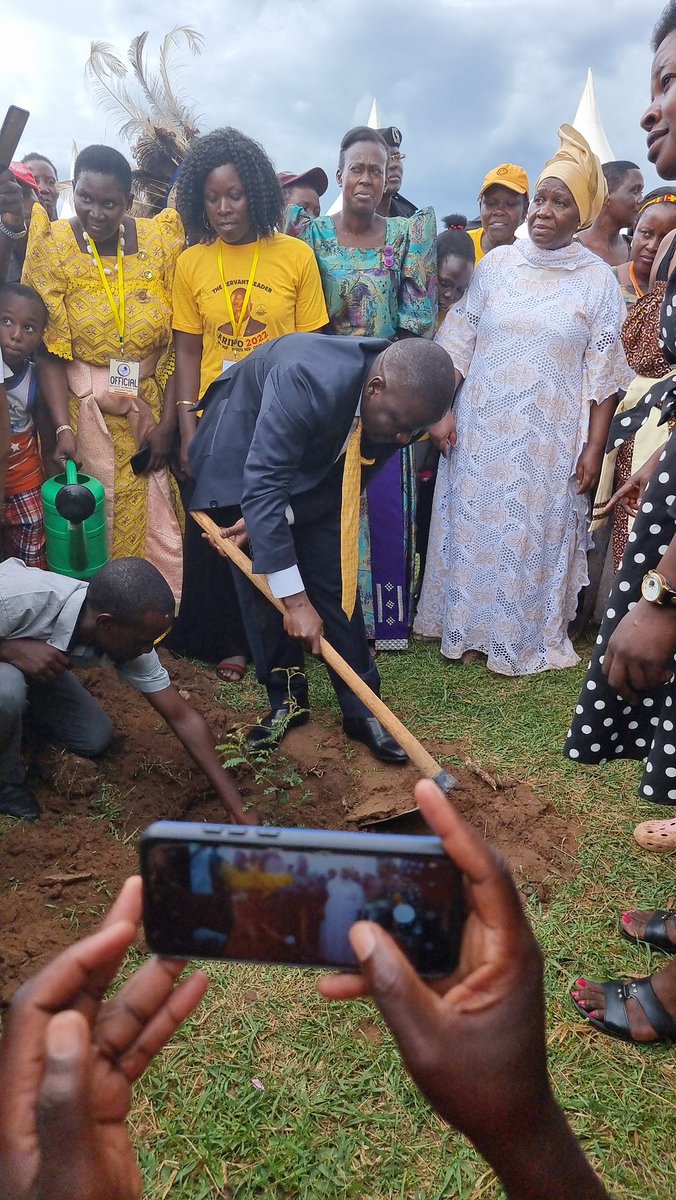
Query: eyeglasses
[{"x": 396, "y": 157}]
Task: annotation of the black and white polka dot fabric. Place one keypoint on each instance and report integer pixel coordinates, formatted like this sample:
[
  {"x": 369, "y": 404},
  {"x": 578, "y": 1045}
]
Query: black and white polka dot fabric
[{"x": 605, "y": 726}]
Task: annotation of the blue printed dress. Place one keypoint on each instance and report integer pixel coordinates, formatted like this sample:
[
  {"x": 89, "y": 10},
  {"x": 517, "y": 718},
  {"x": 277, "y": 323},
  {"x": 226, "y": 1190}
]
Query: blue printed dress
[{"x": 374, "y": 293}]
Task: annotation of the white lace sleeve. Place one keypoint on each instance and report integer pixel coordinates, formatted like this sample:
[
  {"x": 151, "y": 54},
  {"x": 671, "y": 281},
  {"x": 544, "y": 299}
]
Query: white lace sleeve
[
  {"x": 457, "y": 335},
  {"x": 605, "y": 366}
]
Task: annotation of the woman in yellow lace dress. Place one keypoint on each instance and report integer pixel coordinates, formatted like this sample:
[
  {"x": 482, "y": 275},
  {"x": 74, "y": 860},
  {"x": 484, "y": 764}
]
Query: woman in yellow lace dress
[{"x": 106, "y": 279}]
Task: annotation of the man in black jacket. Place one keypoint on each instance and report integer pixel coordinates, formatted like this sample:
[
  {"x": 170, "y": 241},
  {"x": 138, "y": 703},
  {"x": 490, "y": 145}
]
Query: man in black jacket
[{"x": 271, "y": 446}]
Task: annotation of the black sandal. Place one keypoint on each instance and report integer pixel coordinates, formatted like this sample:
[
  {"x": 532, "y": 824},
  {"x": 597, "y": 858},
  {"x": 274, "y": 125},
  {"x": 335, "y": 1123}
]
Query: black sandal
[
  {"x": 655, "y": 932},
  {"x": 616, "y": 1023}
]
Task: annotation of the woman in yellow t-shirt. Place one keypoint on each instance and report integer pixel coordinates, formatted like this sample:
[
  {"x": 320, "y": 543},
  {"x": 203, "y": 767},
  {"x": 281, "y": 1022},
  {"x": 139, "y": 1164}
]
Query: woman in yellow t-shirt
[{"x": 239, "y": 284}]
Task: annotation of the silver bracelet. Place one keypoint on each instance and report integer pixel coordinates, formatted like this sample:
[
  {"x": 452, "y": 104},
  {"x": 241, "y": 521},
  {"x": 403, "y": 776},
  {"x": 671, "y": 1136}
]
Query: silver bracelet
[
  {"x": 14, "y": 235},
  {"x": 62, "y": 428}
]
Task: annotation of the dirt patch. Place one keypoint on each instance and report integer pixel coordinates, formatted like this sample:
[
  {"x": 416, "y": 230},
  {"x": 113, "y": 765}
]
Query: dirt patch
[{"x": 56, "y": 877}]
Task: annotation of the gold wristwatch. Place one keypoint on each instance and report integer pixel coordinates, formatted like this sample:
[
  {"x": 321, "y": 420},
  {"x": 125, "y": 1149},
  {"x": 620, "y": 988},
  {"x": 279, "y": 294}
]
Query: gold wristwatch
[{"x": 657, "y": 590}]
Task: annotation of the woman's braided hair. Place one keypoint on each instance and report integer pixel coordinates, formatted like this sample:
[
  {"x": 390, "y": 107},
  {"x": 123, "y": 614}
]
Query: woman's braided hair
[{"x": 261, "y": 186}]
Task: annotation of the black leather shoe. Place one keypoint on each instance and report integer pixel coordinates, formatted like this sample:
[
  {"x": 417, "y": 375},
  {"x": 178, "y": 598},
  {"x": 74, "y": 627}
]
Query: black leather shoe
[
  {"x": 17, "y": 801},
  {"x": 369, "y": 731},
  {"x": 274, "y": 727}
]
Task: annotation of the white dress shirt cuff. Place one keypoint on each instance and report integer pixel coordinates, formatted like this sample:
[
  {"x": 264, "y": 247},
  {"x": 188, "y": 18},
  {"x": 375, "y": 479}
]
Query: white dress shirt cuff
[{"x": 286, "y": 583}]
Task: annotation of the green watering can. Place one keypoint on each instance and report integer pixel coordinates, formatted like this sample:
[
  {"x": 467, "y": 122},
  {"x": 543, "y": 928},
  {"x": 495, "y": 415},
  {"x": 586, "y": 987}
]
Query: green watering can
[{"x": 75, "y": 523}]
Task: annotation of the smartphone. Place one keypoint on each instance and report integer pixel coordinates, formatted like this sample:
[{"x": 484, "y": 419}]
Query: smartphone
[
  {"x": 139, "y": 461},
  {"x": 10, "y": 134},
  {"x": 289, "y": 896}
]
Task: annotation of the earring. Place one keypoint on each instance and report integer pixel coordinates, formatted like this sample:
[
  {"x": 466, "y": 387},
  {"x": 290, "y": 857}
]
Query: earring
[{"x": 206, "y": 224}]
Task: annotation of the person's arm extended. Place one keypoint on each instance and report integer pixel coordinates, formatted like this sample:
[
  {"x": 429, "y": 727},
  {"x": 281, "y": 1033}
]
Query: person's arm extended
[
  {"x": 588, "y": 469},
  {"x": 475, "y": 1043},
  {"x": 288, "y": 417},
  {"x": 12, "y": 216},
  {"x": 69, "y": 1058},
  {"x": 53, "y": 383},
  {"x": 192, "y": 730},
  {"x": 186, "y": 388}
]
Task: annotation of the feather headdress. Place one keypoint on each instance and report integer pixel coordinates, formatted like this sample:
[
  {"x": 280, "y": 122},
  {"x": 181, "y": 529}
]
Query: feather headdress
[{"x": 151, "y": 114}]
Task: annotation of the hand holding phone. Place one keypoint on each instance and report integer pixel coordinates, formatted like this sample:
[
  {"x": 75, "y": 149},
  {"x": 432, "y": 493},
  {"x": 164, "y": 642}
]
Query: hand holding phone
[
  {"x": 290, "y": 896},
  {"x": 140, "y": 461},
  {"x": 11, "y": 196},
  {"x": 474, "y": 1043},
  {"x": 10, "y": 133},
  {"x": 11, "y": 202}
]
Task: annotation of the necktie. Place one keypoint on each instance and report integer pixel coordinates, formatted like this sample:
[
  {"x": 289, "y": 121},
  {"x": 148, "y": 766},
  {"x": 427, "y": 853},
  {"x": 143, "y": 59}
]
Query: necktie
[{"x": 349, "y": 519}]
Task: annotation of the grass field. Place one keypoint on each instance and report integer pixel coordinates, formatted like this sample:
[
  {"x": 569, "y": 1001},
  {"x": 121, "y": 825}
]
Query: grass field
[{"x": 338, "y": 1116}]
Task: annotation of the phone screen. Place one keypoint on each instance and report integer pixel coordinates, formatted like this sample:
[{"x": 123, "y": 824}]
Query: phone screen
[{"x": 296, "y": 906}]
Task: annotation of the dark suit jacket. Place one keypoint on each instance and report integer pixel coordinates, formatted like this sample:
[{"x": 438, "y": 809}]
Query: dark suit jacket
[{"x": 272, "y": 429}]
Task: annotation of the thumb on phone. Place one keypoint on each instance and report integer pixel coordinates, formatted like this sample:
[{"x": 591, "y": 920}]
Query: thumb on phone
[{"x": 407, "y": 1004}]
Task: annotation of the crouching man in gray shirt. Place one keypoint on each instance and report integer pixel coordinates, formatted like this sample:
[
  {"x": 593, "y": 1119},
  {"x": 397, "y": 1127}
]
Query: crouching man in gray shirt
[{"x": 49, "y": 624}]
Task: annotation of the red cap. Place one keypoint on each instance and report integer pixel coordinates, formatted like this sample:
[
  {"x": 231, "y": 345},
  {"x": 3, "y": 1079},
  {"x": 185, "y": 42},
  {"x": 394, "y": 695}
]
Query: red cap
[
  {"x": 23, "y": 174},
  {"x": 315, "y": 178}
]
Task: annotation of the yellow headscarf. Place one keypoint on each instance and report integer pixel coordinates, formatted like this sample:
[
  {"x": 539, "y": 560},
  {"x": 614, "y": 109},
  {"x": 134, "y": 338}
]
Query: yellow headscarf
[{"x": 576, "y": 165}]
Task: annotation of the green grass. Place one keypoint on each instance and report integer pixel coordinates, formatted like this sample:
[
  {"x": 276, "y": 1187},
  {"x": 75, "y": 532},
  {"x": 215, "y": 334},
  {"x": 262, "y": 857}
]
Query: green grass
[{"x": 338, "y": 1116}]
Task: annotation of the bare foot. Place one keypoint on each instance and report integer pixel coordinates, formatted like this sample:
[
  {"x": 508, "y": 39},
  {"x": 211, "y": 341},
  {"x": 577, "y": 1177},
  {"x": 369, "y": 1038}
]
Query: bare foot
[
  {"x": 593, "y": 1000},
  {"x": 634, "y": 924}
]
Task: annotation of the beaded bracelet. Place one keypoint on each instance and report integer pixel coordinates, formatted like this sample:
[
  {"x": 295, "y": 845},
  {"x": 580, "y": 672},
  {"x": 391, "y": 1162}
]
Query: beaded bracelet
[
  {"x": 62, "y": 428},
  {"x": 14, "y": 235}
]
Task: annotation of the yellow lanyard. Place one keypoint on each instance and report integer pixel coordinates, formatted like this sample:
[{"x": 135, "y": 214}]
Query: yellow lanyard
[
  {"x": 116, "y": 309},
  {"x": 238, "y": 326}
]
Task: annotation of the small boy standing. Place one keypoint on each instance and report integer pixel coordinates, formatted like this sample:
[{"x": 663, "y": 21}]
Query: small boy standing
[{"x": 23, "y": 317}]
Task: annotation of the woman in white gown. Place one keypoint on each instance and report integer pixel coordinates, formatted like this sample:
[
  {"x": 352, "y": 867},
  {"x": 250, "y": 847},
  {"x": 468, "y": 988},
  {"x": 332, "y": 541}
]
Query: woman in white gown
[
  {"x": 537, "y": 343},
  {"x": 345, "y": 902}
]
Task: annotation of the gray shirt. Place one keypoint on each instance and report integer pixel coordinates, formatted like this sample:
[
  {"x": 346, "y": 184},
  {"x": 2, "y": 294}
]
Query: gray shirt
[{"x": 45, "y": 606}]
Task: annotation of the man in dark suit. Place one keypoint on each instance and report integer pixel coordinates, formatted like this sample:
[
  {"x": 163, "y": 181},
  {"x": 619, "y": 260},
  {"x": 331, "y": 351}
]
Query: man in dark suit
[{"x": 271, "y": 446}]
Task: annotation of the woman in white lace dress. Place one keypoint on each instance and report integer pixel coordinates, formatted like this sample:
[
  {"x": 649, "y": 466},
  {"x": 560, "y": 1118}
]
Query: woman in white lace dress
[{"x": 537, "y": 343}]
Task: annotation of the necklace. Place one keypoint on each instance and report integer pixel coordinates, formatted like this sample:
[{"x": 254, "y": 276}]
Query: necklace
[
  {"x": 120, "y": 250},
  {"x": 634, "y": 280}
]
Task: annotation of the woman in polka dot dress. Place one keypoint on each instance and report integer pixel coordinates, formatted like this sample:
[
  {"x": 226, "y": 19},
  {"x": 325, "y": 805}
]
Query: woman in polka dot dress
[{"x": 627, "y": 706}]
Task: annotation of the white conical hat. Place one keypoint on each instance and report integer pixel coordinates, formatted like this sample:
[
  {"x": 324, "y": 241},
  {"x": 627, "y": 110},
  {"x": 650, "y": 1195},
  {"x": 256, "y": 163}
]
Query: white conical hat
[{"x": 588, "y": 122}]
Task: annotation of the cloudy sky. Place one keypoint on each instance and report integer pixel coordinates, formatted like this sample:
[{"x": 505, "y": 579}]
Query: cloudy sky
[{"x": 471, "y": 83}]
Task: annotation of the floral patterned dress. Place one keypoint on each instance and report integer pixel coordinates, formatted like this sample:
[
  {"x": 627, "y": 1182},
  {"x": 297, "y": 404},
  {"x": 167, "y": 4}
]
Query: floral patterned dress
[
  {"x": 537, "y": 339},
  {"x": 373, "y": 293}
]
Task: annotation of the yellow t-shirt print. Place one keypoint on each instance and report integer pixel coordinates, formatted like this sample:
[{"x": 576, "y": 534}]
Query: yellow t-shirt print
[
  {"x": 286, "y": 297},
  {"x": 252, "y": 330}
]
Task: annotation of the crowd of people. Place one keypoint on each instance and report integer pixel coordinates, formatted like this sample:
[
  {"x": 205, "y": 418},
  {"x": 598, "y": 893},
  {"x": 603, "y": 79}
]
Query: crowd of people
[{"x": 406, "y": 428}]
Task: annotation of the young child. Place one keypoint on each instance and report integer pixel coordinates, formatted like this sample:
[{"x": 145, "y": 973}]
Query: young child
[{"x": 23, "y": 317}]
